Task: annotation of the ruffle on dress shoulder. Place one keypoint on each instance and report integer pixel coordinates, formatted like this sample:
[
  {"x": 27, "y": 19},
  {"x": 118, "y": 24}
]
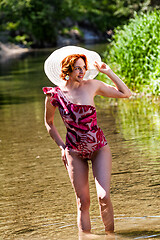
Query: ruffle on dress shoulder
[
  {"x": 48, "y": 90},
  {"x": 51, "y": 91}
]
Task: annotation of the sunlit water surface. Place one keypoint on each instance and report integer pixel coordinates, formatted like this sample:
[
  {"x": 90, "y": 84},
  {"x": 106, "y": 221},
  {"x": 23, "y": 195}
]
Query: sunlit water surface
[{"x": 37, "y": 200}]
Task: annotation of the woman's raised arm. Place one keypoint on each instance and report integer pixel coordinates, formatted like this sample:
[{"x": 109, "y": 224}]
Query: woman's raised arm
[{"x": 120, "y": 91}]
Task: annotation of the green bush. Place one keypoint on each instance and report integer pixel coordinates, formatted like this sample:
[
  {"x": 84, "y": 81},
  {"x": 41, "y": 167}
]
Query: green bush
[
  {"x": 155, "y": 77},
  {"x": 42, "y": 20},
  {"x": 136, "y": 51}
]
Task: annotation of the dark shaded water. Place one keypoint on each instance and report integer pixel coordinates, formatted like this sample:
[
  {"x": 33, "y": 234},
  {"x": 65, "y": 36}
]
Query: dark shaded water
[{"x": 37, "y": 200}]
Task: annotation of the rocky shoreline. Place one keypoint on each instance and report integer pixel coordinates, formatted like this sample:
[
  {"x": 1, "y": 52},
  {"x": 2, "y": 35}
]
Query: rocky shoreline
[
  {"x": 8, "y": 50},
  {"x": 72, "y": 37}
]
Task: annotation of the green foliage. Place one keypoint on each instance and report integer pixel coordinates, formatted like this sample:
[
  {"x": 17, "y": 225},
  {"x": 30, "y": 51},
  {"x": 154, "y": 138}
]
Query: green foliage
[
  {"x": 155, "y": 77},
  {"x": 68, "y": 31},
  {"x": 10, "y": 26},
  {"x": 34, "y": 18},
  {"x": 23, "y": 39},
  {"x": 136, "y": 49},
  {"x": 42, "y": 20},
  {"x": 103, "y": 14}
]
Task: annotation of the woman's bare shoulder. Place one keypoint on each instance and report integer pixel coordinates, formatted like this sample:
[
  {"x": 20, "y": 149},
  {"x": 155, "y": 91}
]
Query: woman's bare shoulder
[{"x": 92, "y": 84}]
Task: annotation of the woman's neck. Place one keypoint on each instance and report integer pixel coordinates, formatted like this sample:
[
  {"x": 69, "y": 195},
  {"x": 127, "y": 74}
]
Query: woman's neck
[{"x": 70, "y": 85}]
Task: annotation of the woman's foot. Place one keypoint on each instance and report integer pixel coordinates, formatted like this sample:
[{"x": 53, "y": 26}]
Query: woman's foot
[
  {"x": 87, "y": 236},
  {"x": 110, "y": 236}
]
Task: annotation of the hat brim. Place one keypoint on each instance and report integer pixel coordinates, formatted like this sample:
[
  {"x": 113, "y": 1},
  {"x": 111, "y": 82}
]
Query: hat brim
[{"x": 52, "y": 66}]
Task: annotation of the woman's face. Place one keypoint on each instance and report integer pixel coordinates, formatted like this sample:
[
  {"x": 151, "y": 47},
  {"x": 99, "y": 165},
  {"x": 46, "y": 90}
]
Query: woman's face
[{"x": 79, "y": 70}]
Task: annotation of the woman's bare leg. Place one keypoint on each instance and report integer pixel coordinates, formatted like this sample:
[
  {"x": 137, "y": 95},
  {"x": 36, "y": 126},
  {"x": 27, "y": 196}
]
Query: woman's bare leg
[
  {"x": 78, "y": 173},
  {"x": 101, "y": 165}
]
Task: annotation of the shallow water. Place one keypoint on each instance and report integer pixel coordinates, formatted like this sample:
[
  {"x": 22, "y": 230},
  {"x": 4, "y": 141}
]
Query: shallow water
[{"x": 37, "y": 200}]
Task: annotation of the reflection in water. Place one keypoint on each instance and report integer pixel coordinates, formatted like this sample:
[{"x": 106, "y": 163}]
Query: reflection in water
[
  {"x": 86, "y": 236},
  {"x": 36, "y": 196}
]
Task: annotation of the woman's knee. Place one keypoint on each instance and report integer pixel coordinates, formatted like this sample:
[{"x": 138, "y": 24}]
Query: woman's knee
[
  {"x": 83, "y": 203},
  {"x": 104, "y": 200}
]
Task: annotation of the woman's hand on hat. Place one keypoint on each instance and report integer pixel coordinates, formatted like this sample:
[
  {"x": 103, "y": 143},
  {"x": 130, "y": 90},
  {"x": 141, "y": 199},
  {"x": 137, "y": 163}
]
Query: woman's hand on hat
[{"x": 102, "y": 68}]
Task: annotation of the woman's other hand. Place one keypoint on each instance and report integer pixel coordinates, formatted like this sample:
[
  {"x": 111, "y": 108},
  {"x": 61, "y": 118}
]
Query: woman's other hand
[{"x": 64, "y": 159}]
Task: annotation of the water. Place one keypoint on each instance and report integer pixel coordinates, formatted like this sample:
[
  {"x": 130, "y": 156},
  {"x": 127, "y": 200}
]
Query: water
[{"x": 37, "y": 200}]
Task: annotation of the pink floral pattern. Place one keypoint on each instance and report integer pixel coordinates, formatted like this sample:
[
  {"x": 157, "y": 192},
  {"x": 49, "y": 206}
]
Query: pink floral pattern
[{"x": 83, "y": 134}]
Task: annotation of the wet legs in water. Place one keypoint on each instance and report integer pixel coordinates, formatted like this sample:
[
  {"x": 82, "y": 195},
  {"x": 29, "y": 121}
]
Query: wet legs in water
[
  {"x": 78, "y": 173},
  {"x": 102, "y": 165}
]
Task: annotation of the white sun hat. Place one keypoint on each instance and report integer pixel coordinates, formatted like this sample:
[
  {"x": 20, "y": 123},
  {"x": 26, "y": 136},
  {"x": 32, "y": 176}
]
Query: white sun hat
[{"x": 52, "y": 66}]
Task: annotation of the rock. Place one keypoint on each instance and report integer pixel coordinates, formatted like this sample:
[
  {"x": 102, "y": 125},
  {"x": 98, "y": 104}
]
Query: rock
[
  {"x": 8, "y": 50},
  {"x": 90, "y": 36},
  {"x": 11, "y": 48},
  {"x": 75, "y": 36},
  {"x": 63, "y": 40}
]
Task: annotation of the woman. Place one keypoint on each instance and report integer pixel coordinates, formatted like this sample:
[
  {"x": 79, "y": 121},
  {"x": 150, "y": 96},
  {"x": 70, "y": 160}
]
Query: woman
[{"x": 73, "y": 69}]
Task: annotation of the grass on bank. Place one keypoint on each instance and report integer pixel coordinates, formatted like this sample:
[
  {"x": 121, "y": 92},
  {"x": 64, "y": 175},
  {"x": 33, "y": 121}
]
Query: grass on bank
[{"x": 135, "y": 53}]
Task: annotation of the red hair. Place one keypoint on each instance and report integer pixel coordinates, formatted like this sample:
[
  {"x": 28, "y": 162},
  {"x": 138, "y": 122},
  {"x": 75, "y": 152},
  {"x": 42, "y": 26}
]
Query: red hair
[{"x": 67, "y": 65}]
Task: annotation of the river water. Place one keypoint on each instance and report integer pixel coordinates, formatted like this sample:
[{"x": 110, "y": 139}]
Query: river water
[{"x": 37, "y": 200}]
